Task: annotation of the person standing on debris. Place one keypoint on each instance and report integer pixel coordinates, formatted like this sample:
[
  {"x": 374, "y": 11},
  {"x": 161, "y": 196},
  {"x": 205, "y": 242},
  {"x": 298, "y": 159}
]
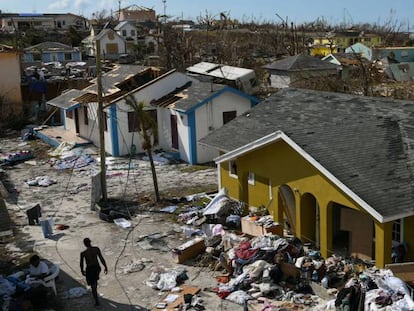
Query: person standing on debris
[{"x": 90, "y": 256}]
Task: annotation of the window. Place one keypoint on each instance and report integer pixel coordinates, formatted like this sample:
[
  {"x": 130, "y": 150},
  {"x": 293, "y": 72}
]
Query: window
[
  {"x": 133, "y": 120},
  {"x": 397, "y": 230},
  {"x": 404, "y": 53},
  {"x": 68, "y": 56},
  {"x": 233, "y": 168},
  {"x": 124, "y": 33},
  {"x": 69, "y": 114},
  {"x": 63, "y": 22},
  {"x": 132, "y": 33},
  {"x": 9, "y": 24},
  {"x": 37, "y": 56},
  {"x": 105, "y": 121},
  {"x": 228, "y": 116},
  {"x": 250, "y": 178},
  {"x": 85, "y": 115}
]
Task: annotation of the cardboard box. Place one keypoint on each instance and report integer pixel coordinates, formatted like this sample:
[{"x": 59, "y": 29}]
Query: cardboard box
[
  {"x": 180, "y": 300},
  {"x": 189, "y": 250},
  {"x": 251, "y": 228}
]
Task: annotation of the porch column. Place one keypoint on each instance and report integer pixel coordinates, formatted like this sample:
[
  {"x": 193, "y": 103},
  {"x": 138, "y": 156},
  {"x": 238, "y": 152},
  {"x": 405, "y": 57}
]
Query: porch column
[
  {"x": 383, "y": 243},
  {"x": 325, "y": 229},
  {"x": 277, "y": 212},
  {"x": 298, "y": 216}
]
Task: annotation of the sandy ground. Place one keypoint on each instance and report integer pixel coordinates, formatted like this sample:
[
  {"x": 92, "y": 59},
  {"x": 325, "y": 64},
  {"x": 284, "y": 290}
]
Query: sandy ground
[{"x": 120, "y": 247}]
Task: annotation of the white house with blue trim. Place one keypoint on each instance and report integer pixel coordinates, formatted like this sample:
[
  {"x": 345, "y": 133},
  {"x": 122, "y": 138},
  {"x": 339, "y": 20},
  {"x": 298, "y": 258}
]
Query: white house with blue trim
[
  {"x": 52, "y": 52},
  {"x": 190, "y": 113},
  {"x": 185, "y": 109}
]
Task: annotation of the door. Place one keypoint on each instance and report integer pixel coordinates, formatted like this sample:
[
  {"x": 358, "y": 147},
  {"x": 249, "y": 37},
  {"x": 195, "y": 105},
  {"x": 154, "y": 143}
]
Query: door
[
  {"x": 174, "y": 132},
  {"x": 77, "y": 120}
]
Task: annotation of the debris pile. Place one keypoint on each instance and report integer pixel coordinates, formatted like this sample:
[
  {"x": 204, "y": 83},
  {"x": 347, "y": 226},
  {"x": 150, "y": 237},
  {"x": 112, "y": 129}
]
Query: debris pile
[
  {"x": 269, "y": 269},
  {"x": 66, "y": 156}
]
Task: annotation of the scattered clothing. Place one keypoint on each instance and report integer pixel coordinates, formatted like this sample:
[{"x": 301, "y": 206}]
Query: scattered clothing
[{"x": 42, "y": 181}]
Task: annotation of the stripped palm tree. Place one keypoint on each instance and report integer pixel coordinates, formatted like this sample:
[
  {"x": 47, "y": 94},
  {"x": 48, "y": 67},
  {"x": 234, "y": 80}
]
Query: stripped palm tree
[{"x": 148, "y": 130}]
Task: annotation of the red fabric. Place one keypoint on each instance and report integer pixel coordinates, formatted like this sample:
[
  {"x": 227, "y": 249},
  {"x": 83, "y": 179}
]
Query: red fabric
[
  {"x": 244, "y": 251},
  {"x": 223, "y": 295}
]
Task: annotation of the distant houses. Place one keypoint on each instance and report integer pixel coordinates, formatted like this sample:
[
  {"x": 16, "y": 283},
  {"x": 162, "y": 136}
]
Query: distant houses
[
  {"x": 52, "y": 52},
  {"x": 294, "y": 69},
  {"x": 111, "y": 44},
  {"x": 11, "y": 22},
  {"x": 136, "y": 14},
  {"x": 240, "y": 78}
]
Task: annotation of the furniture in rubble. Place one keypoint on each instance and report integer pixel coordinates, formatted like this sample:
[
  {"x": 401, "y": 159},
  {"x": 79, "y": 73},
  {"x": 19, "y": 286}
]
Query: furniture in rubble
[{"x": 49, "y": 281}]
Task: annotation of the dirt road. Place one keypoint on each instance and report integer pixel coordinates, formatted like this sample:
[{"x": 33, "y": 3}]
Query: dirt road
[{"x": 68, "y": 202}]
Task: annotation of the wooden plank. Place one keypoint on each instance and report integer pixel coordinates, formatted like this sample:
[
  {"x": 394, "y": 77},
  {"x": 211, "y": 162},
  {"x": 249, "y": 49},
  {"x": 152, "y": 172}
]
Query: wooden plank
[
  {"x": 404, "y": 271},
  {"x": 189, "y": 250}
]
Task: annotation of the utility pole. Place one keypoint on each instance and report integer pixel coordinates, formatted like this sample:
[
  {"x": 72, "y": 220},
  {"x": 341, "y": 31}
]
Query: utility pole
[
  {"x": 119, "y": 10},
  {"x": 165, "y": 10},
  {"x": 101, "y": 121}
]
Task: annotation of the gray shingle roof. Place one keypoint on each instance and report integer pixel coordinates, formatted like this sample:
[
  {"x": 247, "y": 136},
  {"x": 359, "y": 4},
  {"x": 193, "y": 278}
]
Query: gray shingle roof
[
  {"x": 300, "y": 62},
  {"x": 122, "y": 24},
  {"x": 196, "y": 93},
  {"x": 365, "y": 142},
  {"x": 66, "y": 100}
]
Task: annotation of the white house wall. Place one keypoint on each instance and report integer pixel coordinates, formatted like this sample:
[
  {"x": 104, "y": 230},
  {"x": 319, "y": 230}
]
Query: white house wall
[
  {"x": 119, "y": 41},
  {"x": 279, "y": 82},
  {"x": 164, "y": 131},
  {"x": 151, "y": 92},
  {"x": 125, "y": 138},
  {"x": 128, "y": 27},
  {"x": 70, "y": 123},
  {"x": 89, "y": 131},
  {"x": 210, "y": 117}
]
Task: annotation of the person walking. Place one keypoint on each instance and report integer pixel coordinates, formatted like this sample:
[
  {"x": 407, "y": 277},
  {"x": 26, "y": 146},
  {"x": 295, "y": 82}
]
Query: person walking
[{"x": 90, "y": 256}]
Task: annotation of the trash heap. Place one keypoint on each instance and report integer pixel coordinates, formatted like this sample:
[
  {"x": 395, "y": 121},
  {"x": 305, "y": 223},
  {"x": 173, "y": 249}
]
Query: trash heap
[
  {"x": 271, "y": 272},
  {"x": 66, "y": 156},
  {"x": 16, "y": 157}
]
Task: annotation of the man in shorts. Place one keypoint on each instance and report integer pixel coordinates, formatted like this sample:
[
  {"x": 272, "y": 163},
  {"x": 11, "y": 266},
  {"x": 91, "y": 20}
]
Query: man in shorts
[{"x": 90, "y": 256}]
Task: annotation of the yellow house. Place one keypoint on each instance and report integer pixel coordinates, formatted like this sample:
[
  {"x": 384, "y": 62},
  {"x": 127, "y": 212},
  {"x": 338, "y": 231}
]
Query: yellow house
[
  {"x": 336, "y": 166},
  {"x": 323, "y": 50},
  {"x": 342, "y": 40},
  {"x": 348, "y": 38},
  {"x": 10, "y": 91}
]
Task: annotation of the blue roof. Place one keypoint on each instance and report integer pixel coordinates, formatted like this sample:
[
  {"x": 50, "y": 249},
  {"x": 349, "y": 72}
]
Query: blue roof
[{"x": 30, "y": 14}]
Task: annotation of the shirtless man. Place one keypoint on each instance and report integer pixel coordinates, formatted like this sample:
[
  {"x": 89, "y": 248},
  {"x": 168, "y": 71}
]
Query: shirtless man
[{"x": 90, "y": 256}]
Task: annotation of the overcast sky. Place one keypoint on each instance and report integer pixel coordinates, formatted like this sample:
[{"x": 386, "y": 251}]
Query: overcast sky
[{"x": 336, "y": 11}]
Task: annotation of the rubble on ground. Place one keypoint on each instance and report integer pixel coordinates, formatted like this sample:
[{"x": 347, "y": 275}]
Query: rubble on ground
[{"x": 272, "y": 272}]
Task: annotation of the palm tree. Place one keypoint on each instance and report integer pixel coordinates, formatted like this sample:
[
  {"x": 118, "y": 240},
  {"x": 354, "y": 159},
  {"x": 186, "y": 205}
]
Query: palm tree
[{"x": 148, "y": 129}]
